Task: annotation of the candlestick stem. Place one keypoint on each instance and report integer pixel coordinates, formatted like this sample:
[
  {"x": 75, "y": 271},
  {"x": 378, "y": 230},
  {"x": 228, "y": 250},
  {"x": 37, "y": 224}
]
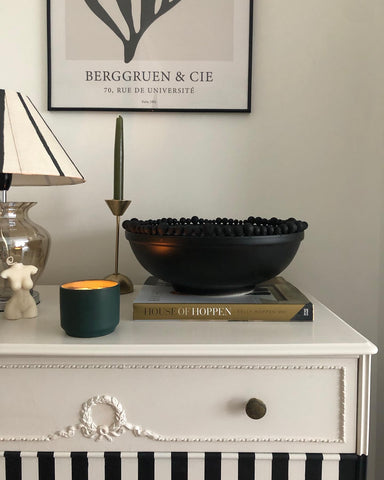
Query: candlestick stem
[
  {"x": 117, "y": 244},
  {"x": 118, "y": 207}
]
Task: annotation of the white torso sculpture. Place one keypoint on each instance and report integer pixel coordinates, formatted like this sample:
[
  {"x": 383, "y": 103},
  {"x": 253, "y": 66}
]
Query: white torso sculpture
[{"x": 21, "y": 304}]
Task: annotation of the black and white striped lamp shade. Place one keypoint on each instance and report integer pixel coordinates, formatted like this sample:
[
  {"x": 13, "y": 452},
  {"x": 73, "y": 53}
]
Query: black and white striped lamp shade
[{"x": 29, "y": 149}]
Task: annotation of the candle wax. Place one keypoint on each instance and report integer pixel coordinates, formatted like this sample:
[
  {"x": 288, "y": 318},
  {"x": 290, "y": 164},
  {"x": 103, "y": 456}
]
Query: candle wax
[
  {"x": 89, "y": 285},
  {"x": 118, "y": 179}
]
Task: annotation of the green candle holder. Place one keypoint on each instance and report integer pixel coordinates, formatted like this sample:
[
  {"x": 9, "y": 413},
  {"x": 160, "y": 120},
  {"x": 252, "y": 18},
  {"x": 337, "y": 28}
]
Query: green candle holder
[
  {"x": 118, "y": 208},
  {"x": 89, "y": 308}
]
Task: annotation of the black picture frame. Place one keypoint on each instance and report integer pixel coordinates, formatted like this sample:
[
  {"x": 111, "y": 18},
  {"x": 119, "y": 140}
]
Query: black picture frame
[{"x": 183, "y": 55}]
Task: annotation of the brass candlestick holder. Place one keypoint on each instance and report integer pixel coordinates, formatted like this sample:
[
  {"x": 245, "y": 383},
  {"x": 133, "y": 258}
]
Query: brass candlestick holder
[{"x": 118, "y": 207}]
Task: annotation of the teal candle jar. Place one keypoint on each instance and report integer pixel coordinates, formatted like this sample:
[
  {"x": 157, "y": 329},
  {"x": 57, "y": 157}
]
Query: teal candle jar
[{"x": 89, "y": 308}]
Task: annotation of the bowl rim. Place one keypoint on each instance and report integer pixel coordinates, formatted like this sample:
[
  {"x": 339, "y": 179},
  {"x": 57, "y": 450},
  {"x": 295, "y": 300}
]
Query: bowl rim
[{"x": 209, "y": 241}]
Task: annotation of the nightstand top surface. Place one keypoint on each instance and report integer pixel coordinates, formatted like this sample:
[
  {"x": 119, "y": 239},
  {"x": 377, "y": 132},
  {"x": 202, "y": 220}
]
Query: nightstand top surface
[{"x": 43, "y": 336}]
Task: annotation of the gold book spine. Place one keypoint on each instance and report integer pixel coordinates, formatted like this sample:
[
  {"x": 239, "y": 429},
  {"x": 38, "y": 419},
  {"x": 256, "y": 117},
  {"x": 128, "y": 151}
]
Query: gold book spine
[{"x": 190, "y": 311}]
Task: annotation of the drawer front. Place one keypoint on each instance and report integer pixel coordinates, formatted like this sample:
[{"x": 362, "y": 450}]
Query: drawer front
[
  {"x": 89, "y": 405},
  {"x": 180, "y": 466}
]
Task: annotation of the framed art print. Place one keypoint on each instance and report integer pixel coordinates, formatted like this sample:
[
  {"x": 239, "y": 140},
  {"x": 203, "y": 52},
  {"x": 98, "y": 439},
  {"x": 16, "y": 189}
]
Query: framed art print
[{"x": 164, "y": 55}]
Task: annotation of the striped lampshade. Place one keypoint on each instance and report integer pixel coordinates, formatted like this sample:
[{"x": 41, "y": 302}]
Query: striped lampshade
[{"x": 29, "y": 149}]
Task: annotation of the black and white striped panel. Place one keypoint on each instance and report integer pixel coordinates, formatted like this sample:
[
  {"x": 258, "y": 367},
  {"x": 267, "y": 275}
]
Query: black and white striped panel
[{"x": 179, "y": 466}]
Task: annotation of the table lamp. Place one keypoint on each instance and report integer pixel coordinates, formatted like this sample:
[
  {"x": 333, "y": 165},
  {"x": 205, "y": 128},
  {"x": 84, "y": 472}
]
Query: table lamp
[{"x": 30, "y": 155}]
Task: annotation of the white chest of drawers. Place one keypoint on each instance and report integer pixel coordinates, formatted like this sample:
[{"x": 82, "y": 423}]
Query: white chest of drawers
[{"x": 160, "y": 400}]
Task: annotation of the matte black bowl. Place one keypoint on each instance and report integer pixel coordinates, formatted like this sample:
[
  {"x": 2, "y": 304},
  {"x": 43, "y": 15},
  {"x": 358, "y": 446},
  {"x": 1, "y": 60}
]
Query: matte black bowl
[{"x": 214, "y": 264}]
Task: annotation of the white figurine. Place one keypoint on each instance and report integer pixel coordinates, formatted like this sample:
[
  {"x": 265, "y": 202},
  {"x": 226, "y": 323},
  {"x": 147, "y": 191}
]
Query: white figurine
[{"x": 21, "y": 304}]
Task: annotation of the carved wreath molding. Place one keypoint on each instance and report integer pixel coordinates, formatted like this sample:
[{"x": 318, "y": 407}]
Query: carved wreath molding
[{"x": 89, "y": 429}]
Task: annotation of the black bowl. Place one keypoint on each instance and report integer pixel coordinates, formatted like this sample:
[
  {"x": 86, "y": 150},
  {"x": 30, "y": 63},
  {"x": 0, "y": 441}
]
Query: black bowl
[{"x": 211, "y": 263}]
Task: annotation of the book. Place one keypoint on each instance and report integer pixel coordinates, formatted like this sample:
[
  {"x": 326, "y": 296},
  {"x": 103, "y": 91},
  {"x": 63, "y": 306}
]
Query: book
[{"x": 274, "y": 300}]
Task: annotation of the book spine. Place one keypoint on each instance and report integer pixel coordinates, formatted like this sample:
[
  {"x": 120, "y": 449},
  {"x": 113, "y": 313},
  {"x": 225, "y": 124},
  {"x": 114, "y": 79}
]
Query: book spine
[{"x": 228, "y": 312}]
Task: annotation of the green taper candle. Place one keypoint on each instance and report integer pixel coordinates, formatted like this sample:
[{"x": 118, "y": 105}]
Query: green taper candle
[{"x": 118, "y": 178}]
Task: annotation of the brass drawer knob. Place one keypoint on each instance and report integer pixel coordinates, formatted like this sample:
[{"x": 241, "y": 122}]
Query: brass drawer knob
[{"x": 255, "y": 408}]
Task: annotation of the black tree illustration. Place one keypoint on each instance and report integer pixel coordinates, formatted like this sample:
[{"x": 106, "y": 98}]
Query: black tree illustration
[{"x": 148, "y": 16}]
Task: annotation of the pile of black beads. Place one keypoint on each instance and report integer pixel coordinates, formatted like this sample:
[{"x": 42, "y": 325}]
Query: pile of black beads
[{"x": 220, "y": 227}]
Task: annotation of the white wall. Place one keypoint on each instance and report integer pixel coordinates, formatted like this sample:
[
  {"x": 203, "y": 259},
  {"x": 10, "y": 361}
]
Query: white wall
[{"x": 311, "y": 148}]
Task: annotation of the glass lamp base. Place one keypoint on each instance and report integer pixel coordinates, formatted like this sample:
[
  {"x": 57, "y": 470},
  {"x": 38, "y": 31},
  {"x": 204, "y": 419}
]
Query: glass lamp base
[{"x": 22, "y": 239}]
